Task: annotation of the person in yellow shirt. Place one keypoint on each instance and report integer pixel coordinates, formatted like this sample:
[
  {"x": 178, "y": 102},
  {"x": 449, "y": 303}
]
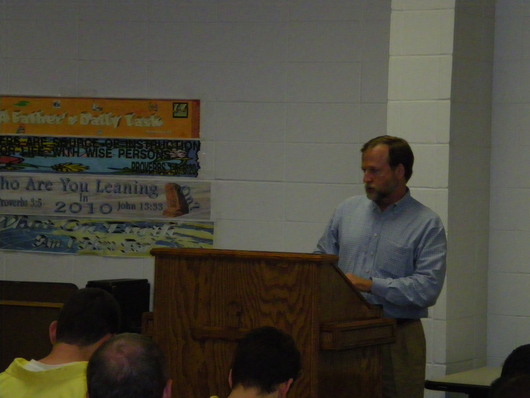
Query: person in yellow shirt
[{"x": 88, "y": 319}]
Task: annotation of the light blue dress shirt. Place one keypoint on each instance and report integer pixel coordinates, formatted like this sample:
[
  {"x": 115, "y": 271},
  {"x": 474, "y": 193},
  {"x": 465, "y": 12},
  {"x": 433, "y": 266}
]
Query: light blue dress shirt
[{"x": 402, "y": 250}]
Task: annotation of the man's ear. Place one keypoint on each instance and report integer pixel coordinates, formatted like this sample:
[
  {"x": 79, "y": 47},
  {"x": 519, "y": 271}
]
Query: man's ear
[
  {"x": 283, "y": 388},
  {"x": 105, "y": 338},
  {"x": 52, "y": 331},
  {"x": 167, "y": 389},
  {"x": 400, "y": 170}
]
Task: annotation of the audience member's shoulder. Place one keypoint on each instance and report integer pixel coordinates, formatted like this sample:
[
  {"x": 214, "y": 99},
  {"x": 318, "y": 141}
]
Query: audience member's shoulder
[{"x": 517, "y": 386}]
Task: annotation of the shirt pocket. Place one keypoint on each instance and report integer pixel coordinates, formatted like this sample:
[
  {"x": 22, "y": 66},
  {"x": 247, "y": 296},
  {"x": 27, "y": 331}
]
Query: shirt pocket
[{"x": 394, "y": 259}]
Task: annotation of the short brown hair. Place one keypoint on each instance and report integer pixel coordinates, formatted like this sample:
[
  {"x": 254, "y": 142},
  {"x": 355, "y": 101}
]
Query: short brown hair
[
  {"x": 265, "y": 358},
  {"x": 399, "y": 152},
  {"x": 87, "y": 316}
]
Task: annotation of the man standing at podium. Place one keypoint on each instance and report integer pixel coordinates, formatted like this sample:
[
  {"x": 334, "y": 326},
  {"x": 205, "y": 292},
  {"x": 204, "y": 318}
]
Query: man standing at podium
[{"x": 393, "y": 249}]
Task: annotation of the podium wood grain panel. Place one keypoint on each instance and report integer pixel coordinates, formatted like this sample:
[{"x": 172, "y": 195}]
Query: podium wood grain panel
[{"x": 205, "y": 300}]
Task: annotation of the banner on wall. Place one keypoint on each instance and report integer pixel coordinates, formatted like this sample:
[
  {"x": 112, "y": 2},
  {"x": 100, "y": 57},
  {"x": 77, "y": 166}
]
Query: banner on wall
[
  {"x": 99, "y": 237},
  {"x": 104, "y": 197},
  {"x": 73, "y": 176},
  {"x": 100, "y": 117},
  {"x": 179, "y": 158}
]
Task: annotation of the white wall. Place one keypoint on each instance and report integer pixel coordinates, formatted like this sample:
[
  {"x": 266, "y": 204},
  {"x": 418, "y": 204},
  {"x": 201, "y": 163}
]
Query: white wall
[
  {"x": 509, "y": 268},
  {"x": 289, "y": 90}
]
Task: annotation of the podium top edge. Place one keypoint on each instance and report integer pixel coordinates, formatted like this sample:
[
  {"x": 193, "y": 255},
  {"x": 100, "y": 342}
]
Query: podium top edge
[{"x": 250, "y": 254}]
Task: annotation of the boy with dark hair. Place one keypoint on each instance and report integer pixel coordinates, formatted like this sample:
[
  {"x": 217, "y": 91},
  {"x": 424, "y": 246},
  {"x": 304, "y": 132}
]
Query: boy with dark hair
[
  {"x": 515, "y": 375},
  {"x": 518, "y": 362},
  {"x": 89, "y": 318},
  {"x": 266, "y": 363}
]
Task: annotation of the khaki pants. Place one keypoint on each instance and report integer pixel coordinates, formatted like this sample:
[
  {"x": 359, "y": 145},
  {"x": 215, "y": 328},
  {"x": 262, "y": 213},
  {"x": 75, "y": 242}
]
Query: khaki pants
[{"x": 404, "y": 362}]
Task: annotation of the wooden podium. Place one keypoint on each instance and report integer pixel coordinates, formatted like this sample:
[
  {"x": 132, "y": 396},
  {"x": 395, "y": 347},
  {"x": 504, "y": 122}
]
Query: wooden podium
[{"x": 205, "y": 300}]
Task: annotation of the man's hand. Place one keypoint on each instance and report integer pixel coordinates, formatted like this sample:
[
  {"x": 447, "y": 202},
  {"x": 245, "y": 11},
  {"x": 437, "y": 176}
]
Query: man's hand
[{"x": 364, "y": 285}]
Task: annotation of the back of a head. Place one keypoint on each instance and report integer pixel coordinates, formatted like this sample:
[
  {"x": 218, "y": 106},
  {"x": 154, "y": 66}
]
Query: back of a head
[
  {"x": 518, "y": 362},
  {"x": 89, "y": 315},
  {"x": 511, "y": 387},
  {"x": 127, "y": 366},
  {"x": 265, "y": 358}
]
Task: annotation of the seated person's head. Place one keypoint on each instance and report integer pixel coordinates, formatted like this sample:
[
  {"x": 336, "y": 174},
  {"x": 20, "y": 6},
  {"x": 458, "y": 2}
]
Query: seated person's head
[
  {"x": 88, "y": 316},
  {"x": 518, "y": 362},
  {"x": 515, "y": 375},
  {"x": 267, "y": 360},
  {"x": 128, "y": 365},
  {"x": 517, "y": 386}
]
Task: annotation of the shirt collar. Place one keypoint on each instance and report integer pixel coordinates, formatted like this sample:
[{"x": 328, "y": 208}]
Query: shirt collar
[{"x": 401, "y": 203}]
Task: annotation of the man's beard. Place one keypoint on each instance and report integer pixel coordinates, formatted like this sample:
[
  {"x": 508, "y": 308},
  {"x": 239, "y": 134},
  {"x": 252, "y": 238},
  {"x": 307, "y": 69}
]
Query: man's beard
[{"x": 378, "y": 195}]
